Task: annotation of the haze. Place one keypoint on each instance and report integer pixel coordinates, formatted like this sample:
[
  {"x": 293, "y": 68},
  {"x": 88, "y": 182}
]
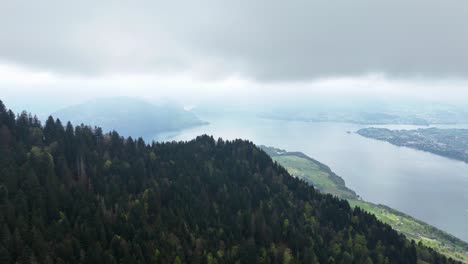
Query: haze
[{"x": 237, "y": 49}]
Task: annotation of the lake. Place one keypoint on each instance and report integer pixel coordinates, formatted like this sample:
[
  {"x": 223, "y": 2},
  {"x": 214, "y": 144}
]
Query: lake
[{"x": 426, "y": 186}]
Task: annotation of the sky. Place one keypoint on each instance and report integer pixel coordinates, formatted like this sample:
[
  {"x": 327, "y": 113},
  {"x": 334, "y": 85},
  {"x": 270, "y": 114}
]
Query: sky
[{"x": 61, "y": 52}]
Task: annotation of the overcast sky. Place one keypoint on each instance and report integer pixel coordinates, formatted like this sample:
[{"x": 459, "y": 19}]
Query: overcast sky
[{"x": 80, "y": 49}]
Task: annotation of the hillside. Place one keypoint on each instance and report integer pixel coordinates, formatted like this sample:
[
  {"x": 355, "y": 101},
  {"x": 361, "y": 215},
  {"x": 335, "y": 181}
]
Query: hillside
[
  {"x": 417, "y": 230},
  {"x": 75, "y": 195},
  {"x": 321, "y": 177},
  {"x": 312, "y": 171},
  {"x": 130, "y": 116}
]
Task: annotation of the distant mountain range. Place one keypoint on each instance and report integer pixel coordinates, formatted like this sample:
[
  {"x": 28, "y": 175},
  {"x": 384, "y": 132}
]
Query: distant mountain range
[
  {"x": 370, "y": 112},
  {"x": 130, "y": 116}
]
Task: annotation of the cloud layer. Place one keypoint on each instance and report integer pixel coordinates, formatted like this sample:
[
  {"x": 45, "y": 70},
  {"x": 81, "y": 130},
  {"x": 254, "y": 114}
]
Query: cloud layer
[{"x": 260, "y": 40}]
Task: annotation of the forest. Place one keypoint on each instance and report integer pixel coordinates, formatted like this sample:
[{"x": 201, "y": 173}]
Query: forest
[{"x": 77, "y": 194}]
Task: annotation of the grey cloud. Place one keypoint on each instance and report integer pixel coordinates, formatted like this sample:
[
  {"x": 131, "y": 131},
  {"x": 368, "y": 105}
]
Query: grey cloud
[{"x": 263, "y": 40}]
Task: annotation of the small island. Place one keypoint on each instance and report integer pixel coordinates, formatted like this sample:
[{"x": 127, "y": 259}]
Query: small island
[{"x": 451, "y": 143}]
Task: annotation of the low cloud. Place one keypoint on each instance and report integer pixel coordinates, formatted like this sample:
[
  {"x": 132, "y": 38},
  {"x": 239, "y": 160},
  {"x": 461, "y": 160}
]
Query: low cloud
[{"x": 264, "y": 41}]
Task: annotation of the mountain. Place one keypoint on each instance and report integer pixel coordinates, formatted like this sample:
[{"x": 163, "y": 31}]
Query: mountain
[
  {"x": 130, "y": 116},
  {"x": 75, "y": 195}
]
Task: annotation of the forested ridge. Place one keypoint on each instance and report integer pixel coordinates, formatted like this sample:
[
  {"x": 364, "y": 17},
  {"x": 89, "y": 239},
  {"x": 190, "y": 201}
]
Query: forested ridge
[{"x": 78, "y": 195}]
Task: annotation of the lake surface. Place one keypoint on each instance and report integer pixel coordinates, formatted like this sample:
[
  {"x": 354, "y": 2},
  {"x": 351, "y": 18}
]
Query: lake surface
[{"x": 426, "y": 186}]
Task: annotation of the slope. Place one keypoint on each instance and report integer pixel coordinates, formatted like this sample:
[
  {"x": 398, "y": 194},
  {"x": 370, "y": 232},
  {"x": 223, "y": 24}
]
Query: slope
[{"x": 321, "y": 177}]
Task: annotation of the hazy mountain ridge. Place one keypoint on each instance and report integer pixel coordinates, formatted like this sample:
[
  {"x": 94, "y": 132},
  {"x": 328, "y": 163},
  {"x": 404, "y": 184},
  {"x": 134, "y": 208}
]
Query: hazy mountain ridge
[
  {"x": 130, "y": 116},
  {"x": 372, "y": 112}
]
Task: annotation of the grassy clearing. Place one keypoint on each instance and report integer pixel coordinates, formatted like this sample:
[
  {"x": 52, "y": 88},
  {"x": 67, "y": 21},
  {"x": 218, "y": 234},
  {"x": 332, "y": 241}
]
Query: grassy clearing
[
  {"x": 314, "y": 173},
  {"x": 307, "y": 170}
]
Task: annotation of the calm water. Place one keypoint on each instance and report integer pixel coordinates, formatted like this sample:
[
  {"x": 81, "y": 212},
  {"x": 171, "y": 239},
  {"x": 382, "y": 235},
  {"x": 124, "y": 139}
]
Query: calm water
[{"x": 431, "y": 188}]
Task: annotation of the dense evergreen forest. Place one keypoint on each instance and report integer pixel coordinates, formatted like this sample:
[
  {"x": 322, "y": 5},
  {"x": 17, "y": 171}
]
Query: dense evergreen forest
[{"x": 77, "y": 195}]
